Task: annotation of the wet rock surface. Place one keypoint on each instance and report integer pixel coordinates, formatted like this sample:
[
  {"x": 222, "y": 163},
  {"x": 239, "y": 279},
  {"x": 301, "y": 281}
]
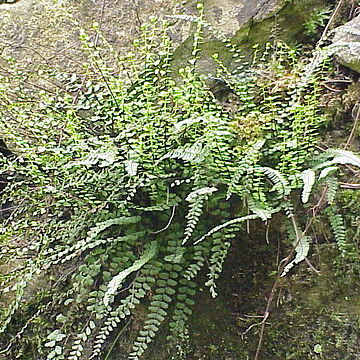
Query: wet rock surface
[
  {"x": 347, "y": 44},
  {"x": 50, "y": 34}
]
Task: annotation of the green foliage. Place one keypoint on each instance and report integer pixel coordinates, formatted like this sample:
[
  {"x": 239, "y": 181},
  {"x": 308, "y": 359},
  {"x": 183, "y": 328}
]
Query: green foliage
[
  {"x": 318, "y": 18},
  {"x": 221, "y": 244},
  {"x": 129, "y": 180}
]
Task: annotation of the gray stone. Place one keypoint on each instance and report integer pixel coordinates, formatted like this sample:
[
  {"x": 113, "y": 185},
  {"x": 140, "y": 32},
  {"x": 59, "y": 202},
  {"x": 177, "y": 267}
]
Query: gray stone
[
  {"x": 268, "y": 8},
  {"x": 346, "y": 44},
  {"x": 35, "y": 31}
]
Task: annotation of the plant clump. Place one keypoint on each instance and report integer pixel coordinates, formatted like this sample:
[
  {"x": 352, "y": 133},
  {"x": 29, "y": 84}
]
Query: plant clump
[{"x": 126, "y": 182}]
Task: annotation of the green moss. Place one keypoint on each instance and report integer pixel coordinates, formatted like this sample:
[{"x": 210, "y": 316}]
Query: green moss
[
  {"x": 214, "y": 334},
  {"x": 320, "y": 315},
  {"x": 288, "y": 25},
  {"x": 313, "y": 317}
]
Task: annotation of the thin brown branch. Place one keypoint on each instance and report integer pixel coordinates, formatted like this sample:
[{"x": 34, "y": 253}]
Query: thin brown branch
[
  {"x": 100, "y": 22},
  {"x": 349, "y": 186},
  {"x": 329, "y": 23},
  {"x": 356, "y": 116},
  {"x": 312, "y": 267}
]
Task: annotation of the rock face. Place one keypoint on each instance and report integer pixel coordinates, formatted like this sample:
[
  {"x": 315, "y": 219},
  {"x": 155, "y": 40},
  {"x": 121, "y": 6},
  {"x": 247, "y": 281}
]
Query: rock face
[
  {"x": 47, "y": 31},
  {"x": 229, "y": 15},
  {"x": 33, "y": 31},
  {"x": 347, "y": 44}
]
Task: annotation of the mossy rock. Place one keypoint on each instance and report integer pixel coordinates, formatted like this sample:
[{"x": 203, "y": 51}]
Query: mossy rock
[
  {"x": 347, "y": 44},
  {"x": 280, "y": 20},
  {"x": 50, "y": 34}
]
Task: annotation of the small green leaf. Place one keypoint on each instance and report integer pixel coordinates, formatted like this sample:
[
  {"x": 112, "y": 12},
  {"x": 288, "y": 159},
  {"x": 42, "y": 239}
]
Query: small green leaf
[
  {"x": 61, "y": 318},
  {"x": 318, "y": 349},
  {"x": 92, "y": 324},
  {"x": 50, "y": 343}
]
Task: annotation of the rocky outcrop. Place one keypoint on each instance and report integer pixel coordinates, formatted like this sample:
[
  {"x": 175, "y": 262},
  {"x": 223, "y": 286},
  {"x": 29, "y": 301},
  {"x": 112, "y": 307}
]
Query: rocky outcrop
[
  {"x": 346, "y": 44},
  {"x": 33, "y": 31}
]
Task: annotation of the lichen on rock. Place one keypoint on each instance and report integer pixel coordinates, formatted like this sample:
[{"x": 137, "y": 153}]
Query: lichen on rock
[{"x": 346, "y": 43}]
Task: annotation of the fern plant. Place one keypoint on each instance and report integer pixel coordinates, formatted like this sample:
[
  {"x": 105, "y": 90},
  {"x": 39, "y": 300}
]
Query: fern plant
[{"x": 130, "y": 181}]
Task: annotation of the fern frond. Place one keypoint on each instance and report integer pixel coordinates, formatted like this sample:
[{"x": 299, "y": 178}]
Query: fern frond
[
  {"x": 219, "y": 252},
  {"x": 308, "y": 178},
  {"x": 302, "y": 246},
  {"x": 332, "y": 189},
  {"x": 263, "y": 211},
  {"x": 280, "y": 183},
  {"x": 179, "y": 319},
  {"x": 200, "y": 193},
  {"x": 245, "y": 163},
  {"x": 196, "y": 199},
  {"x": 347, "y": 250},
  {"x": 141, "y": 285},
  {"x": 327, "y": 171},
  {"x": 193, "y": 153},
  {"x": 199, "y": 253},
  {"x": 339, "y": 157},
  {"x": 345, "y": 157},
  {"x": 226, "y": 224},
  {"x": 116, "y": 282},
  {"x": 77, "y": 348},
  {"x": 15, "y": 304},
  {"x": 92, "y": 240},
  {"x": 184, "y": 124},
  {"x": 158, "y": 309}
]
